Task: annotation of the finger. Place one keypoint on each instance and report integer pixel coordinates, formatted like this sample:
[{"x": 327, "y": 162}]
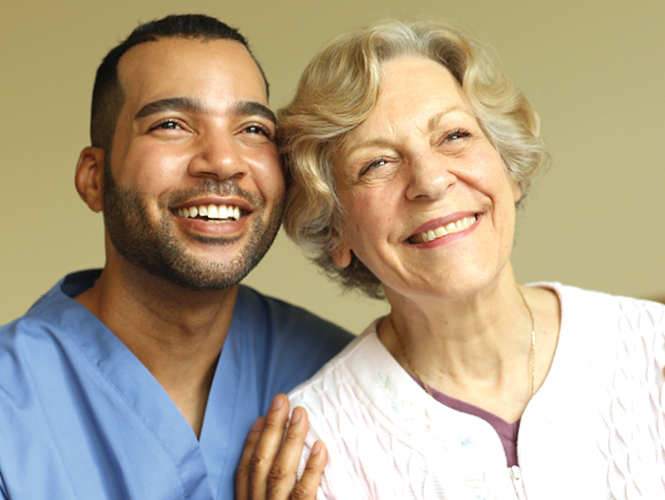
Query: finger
[
  {"x": 282, "y": 475},
  {"x": 242, "y": 472},
  {"x": 308, "y": 484},
  {"x": 268, "y": 446}
]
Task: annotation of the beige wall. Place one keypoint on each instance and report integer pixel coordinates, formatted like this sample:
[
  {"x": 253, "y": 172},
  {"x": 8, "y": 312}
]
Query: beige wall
[{"x": 594, "y": 70}]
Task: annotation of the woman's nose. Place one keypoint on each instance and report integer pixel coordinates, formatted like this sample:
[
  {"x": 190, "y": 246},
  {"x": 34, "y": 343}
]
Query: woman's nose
[
  {"x": 219, "y": 157},
  {"x": 429, "y": 177}
]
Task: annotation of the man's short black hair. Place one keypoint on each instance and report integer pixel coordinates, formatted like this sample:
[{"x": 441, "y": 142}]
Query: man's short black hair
[{"x": 108, "y": 95}]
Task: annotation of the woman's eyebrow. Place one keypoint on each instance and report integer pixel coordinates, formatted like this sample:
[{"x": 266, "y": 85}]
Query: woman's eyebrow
[
  {"x": 434, "y": 120},
  {"x": 431, "y": 125},
  {"x": 374, "y": 142}
]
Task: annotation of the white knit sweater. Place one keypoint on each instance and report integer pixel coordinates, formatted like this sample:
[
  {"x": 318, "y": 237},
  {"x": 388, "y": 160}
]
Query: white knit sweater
[{"x": 594, "y": 430}]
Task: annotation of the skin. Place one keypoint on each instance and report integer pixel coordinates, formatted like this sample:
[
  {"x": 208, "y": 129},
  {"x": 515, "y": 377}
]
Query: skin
[
  {"x": 195, "y": 128},
  {"x": 419, "y": 161}
]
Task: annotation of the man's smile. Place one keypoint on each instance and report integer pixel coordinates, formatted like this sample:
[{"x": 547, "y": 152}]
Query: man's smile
[{"x": 213, "y": 212}]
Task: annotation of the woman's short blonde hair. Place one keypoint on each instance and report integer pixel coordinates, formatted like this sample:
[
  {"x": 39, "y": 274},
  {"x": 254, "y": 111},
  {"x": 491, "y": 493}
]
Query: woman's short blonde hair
[{"x": 339, "y": 90}]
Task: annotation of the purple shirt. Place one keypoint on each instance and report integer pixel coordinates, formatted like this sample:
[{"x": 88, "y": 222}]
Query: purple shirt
[{"x": 507, "y": 432}]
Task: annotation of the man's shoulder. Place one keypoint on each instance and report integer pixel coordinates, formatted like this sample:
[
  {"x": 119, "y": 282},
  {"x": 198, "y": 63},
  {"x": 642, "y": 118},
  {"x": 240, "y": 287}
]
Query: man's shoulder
[
  {"x": 51, "y": 314},
  {"x": 34, "y": 355},
  {"x": 51, "y": 309},
  {"x": 46, "y": 334},
  {"x": 284, "y": 343},
  {"x": 266, "y": 315},
  {"x": 60, "y": 295}
]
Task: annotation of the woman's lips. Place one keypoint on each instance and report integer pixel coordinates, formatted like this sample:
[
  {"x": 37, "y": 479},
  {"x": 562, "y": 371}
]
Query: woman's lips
[{"x": 445, "y": 229}]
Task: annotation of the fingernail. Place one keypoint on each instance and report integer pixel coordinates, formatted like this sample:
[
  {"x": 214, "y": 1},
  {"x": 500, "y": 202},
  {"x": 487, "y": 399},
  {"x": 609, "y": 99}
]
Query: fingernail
[
  {"x": 296, "y": 416},
  {"x": 258, "y": 424},
  {"x": 277, "y": 403},
  {"x": 316, "y": 448}
]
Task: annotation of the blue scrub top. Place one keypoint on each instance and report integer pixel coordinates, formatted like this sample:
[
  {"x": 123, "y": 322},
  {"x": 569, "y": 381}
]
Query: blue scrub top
[{"x": 82, "y": 418}]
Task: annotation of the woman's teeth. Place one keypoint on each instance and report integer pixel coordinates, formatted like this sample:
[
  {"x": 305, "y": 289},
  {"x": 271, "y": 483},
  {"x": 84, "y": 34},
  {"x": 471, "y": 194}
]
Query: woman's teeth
[
  {"x": 210, "y": 211},
  {"x": 453, "y": 227}
]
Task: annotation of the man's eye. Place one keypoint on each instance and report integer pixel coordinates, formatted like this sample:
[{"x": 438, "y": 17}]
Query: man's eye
[
  {"x": 257, "y": 129},
  {"x": 166, "y": 125}
]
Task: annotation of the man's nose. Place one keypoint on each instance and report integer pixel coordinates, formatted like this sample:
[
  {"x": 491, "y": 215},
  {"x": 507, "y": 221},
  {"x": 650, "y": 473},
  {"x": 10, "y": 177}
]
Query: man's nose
[{"x": 219, "y": 157}]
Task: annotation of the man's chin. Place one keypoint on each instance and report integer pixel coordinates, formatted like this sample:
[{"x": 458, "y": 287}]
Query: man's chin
[{"x": 198, "y": 277}]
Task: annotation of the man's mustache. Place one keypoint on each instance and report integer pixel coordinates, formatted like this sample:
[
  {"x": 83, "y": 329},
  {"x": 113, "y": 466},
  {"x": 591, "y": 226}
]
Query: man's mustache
[{"x": 210, "y": 187}]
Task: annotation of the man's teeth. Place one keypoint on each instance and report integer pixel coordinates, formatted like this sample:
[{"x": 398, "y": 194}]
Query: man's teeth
[
  {"x": 453, "y": 227},
  {"x": 210, "y": 211}
]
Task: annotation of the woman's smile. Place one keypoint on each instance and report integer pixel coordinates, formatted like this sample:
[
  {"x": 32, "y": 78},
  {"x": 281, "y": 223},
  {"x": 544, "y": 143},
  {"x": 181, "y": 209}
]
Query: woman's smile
[{"x": 435, "y": 230}]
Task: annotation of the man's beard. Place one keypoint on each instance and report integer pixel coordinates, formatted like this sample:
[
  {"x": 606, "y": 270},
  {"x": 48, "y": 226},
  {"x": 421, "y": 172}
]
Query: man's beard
[{"x": 155, "y": 248}]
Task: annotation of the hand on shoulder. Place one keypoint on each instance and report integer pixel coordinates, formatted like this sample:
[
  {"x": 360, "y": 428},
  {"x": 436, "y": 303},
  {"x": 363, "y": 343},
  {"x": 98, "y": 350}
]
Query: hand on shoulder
[{"x": 269, "y": 462}]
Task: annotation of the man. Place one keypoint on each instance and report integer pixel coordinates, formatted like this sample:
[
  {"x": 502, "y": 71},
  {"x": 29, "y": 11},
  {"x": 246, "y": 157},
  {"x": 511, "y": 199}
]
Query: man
[{"x": 142, "y": 380}]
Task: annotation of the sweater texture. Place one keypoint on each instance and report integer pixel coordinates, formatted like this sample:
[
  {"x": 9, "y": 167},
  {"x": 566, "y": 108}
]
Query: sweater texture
[{"x": 594, "y": 430}]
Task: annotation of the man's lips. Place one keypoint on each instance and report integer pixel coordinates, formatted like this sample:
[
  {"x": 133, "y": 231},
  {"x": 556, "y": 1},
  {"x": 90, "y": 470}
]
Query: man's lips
[
  {"x": 440, "y": 228},
  {"x": 214, "y": 211}
]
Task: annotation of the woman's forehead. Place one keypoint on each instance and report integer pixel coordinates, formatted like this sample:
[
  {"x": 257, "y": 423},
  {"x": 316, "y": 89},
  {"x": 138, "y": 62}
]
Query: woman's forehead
[{"x": 415, "y": 91}]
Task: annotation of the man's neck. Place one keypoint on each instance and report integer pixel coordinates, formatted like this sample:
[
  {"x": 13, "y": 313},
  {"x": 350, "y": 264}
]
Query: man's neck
[{"x": 177, "y": 333}]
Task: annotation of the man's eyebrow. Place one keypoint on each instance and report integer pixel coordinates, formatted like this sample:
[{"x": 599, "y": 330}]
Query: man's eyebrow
[
  {"x": 170, "y": 104},
  {"x": 248, "y": 108},
  {"x": 242, "y": 108}
]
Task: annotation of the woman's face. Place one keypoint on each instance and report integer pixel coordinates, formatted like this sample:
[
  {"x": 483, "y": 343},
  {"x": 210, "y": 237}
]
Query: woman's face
[{"x": 430, "y": 209}]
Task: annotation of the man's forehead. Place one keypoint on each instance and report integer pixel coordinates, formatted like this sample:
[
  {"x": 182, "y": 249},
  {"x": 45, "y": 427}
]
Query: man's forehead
[{"x": 190, "y": 65}]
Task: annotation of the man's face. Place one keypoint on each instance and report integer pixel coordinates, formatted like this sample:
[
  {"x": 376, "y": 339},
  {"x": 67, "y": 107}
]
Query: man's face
[{"x": 194, "y": 137}]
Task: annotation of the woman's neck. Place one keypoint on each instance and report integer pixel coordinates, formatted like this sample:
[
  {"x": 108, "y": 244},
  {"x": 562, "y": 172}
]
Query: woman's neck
[{"x": 476, "y": 348}]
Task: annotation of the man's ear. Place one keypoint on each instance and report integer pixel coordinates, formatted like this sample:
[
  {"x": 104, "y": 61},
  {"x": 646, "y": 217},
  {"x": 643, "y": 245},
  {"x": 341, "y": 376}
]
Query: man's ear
[{"x": 89, "y": 177}]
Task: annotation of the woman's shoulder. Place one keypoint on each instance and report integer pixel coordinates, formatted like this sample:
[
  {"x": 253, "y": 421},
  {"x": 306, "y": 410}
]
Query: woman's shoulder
[
  {"x": 597, "y": 322},
  {"x": 334, "y": 401},
  {"x": 600, "y": 326},
  {"x": 363, "y": 385},
  {"x": 581, "y": 302},
  {"x": 341, "y": 370}
]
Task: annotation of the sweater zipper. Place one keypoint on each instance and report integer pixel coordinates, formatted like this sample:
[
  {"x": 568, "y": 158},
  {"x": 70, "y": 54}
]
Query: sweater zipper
[{"x": 516, "y": 476}]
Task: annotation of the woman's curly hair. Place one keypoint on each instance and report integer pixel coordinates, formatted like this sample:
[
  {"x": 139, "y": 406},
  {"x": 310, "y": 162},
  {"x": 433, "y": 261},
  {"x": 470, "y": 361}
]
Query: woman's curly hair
[{"x": 338, "y": 91}]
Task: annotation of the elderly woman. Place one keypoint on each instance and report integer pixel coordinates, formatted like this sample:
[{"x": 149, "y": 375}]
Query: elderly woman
[{"x": 408, "y": 152}]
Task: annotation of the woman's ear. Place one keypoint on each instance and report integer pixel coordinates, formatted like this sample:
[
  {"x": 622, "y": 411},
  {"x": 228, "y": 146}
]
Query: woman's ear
[
  {"x": 514, "y": 185},
  {"x": 517, "y": 191},
  {"x": 341, "y": 254},
  {"x": 89, "y": 177}
]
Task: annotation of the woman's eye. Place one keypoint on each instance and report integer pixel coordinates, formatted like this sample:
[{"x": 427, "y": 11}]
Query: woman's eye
[
  {"x": 372, "y": 165},
  {"x": 455, "y": 142},
  {"x": 457, "y": 134}
]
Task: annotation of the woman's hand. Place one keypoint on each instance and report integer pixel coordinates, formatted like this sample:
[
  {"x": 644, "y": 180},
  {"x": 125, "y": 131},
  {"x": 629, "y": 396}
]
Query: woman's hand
[{"x": 269, "y": 461}]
